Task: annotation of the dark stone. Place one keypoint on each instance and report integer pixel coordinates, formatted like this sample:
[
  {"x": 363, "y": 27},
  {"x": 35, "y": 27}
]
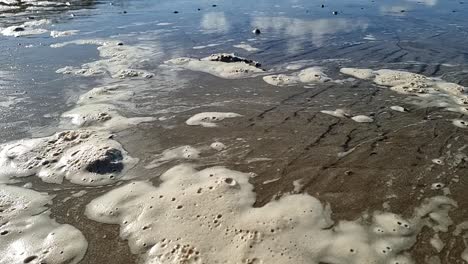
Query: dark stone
[
  {"x": 110, "y": 162},
  {"x": 229, "y": 58}
]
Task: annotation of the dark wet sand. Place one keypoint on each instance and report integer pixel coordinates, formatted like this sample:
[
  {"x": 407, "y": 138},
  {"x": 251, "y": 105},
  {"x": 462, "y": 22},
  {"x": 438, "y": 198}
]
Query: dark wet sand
[{"x": 302, "y": 143}]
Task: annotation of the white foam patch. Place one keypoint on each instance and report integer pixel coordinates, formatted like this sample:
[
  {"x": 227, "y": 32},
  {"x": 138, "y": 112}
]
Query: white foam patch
[
  {"x": 438, "y": 161},
  {"x": 107, "y": 93},
  {"x": 207, "y": 217},
  {"x": 100, "y": 109},
  {"x": 460, "y": 123},
  {"x": 8, "y": 8},
  {"x": 219, "y": 146},
  {"x": 209, "y": 119},
  {"x": 29, "y": 235},
  {"x": 461, "y": 230},
  {"x": 178, "y": 153},
  {"x": 309, "y": 75},
  {"x": 59, "y": 34},
  {"x": 82, "y": 157},
  {"x": 369, "y": 37},
  {"x": 118, "y": 60},
  {"x": 430, "y": 91},
  {"x": 207, "y": 46},
  {"x": 26, "y": 29},
  {"x": 246, "y": 47},
  {"x": 336, "y": 113},
  {"x": 227, "y": 70},
  {"x": 398, "y": 108},
  {"x": 101, "y": 116},
  {"x": 298, "y": 185},
  {"x": 362, "y": 119}
]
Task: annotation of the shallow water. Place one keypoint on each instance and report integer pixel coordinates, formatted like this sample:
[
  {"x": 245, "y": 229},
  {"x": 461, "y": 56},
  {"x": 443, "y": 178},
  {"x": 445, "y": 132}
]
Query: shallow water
[{"x": 282, "y": 137}]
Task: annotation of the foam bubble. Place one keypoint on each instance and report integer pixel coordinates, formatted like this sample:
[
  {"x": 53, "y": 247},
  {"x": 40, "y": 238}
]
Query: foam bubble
[
  {"x": 207, "y": 217},
  {"x": 29, "y": 235},
  {"x": 209, "y": 119}
]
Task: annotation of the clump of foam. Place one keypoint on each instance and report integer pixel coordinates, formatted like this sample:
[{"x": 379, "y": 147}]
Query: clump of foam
[
  {"x": 398, "y": 108},
  {"x": 362, "y": 119},
  {"x": 178, "y": 153},
  {"x": 107, "y": 93},
  {"x": 219, "y": 146},
  {"x": 207, "y": 217},
  {"x": 336, "y": 113},
  {"x": 460, "y": 123},
  {"x": 222, "y": 65},
  {"x": 209, "y": 119},
  {"x": 98, "y": 109},
  {"x": 101, "y": 116},
  {"x": 59, "y": 34},
  {"x": 246, "y": 47},
  {"x": 29, "y": 235},
  {"x": 309, "y": 75},
  {"x": 298, "y": 185},
  {"x": 82, "y": 157},
  {"x": 25, "y": 29},
  {"x": 118, "y": 60},
  {"x": 340, "y": 113},
  {"x": 431, "y": 91},
  {"x": 459, "y": 230}
]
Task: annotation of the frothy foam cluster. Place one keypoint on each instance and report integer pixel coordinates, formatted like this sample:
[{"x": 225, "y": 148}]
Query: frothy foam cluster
[
  {"x": 27, "y": 28},
  {"x": 430, "y": 91},
  {"x": 118, "y": 60},
  {"x": 207, "y": 217},
  {"x": 29, "y": 235},
  {"x": 309, "y": 75},
  {"x": 209, "y": 119},
  {"x": 82, "y": 157}
]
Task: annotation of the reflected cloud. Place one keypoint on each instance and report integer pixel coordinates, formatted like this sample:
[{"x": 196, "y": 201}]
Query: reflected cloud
[
  {"x": 318, "y": 30},
  {"x": 396, "y": 10},
  {"x": 425, "y": 2},
  {"x": 215, "y": 22}
]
